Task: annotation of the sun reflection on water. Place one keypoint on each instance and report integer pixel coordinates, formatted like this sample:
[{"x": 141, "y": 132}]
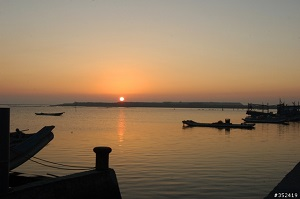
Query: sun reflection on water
[{"x": 121, "y": 126}]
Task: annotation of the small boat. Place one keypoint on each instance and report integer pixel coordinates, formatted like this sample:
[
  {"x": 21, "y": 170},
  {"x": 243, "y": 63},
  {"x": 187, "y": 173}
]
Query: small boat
[
  {"x": 262, "y": 119},
  {"x": 50, "y": 114},
  {"x": 220, "y": 124},
  {"x": 24, "y": 146}
]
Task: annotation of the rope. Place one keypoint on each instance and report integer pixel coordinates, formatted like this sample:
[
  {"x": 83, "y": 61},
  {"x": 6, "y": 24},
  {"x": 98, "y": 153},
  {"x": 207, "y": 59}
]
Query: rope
[
  {"x": 56, "y": 167},
  {"x": 65, "y": 165}
]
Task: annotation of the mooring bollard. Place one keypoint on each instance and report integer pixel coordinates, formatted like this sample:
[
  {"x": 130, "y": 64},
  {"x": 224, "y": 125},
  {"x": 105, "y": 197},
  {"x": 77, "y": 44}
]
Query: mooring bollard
[
  {"x": 102, "y": 157},
  {"x": 4, "y": 150}
]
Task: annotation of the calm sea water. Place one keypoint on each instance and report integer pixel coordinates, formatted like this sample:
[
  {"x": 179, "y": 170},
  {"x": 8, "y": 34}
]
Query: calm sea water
[{"x": 154, "y": 157}]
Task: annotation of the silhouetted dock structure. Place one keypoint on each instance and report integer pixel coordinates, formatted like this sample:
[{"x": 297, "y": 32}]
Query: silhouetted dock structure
[
  {"x": 101, "y": 182},
  {"x": 289, "y": 186}
]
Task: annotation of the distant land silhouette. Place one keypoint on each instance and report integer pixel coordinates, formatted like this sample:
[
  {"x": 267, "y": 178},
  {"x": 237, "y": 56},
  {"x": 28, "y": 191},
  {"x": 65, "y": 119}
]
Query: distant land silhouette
[{"x": 159, "y": 104}]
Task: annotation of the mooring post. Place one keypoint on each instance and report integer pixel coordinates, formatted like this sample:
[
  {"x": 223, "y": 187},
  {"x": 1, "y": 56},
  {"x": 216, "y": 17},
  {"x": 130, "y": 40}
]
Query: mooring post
[
  {"x": 102, "y": 157},
  {"x": 4, "y": 150}
]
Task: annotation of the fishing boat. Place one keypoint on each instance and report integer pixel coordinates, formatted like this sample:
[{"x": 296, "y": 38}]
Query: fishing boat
[
  {"x": 285, "y": 113},
  {"x": 291, "y": 113},
  {"x": 24, "y": 146},
  {"x": 50, "y": 114},
  {"x": 263, "y": 119},
  {"x": 220, "y": 124}
]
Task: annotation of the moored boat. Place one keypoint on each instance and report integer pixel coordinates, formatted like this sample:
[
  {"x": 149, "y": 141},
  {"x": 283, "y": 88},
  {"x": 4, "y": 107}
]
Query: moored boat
[
  {"x": 24, "y": 146},
  {"x": 292, "y": 113},
  {"x": 285, "y": 113},
  {"x": 50, "y": 114},
  {"x": 270, "y": 120},
  {"x": 219, "y": 124}
]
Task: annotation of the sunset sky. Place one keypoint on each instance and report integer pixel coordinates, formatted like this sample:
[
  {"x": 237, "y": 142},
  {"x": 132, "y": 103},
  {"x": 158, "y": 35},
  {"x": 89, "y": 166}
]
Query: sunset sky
[{"x": 149, "y": 50}]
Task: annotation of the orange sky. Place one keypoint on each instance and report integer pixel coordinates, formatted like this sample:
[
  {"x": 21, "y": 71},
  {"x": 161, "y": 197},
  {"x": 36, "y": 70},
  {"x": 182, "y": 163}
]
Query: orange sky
[{"x": 65, "y": 51}]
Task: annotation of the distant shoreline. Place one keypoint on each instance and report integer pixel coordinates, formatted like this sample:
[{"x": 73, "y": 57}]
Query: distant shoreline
[
  {"x": 228, "y": 105},
  {"x": 236, "y": 105}
]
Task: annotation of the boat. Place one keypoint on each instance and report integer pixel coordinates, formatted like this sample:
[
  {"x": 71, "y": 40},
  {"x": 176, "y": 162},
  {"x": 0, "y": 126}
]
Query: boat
[
  {"x": 285, "y": 113},
  {"x": 263, "y": 119},
  {"x": 50, "y": 114},
  {"x": 291, "y": 112},
  {"x": 259, "y": 113},
  {"x": 24, "y": 146},
  {"x": 220, "y": 124}
]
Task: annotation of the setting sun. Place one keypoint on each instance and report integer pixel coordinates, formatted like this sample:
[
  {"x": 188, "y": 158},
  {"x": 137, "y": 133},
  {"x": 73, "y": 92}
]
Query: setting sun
[{"x": 122, "y": 99}]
